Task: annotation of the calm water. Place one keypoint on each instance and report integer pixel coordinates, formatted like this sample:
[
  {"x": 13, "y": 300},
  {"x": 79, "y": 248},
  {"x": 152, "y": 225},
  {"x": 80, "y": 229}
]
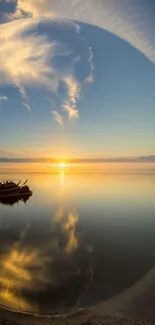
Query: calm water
[{"x": 85, "y": 235}]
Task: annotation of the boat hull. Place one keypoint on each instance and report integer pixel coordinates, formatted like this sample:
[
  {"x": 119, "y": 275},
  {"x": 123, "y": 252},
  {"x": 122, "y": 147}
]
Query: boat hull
[{"x": 18, "y": 194}]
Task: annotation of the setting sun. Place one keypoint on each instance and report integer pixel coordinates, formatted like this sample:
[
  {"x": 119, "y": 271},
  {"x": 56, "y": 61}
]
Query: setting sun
[{"x": 62, "y": 165}]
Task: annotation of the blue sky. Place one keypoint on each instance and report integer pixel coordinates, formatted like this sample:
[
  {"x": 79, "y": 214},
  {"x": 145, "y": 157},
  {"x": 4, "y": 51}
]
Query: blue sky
[{"x": 72, "y": 89}]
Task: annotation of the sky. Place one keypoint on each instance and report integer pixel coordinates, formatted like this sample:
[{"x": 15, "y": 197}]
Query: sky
[{"x": 77, "y": 78}]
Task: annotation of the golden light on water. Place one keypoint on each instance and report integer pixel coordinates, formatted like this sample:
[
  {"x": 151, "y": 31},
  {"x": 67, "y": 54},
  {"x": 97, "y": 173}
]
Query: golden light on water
[{"x": 62, "y": 182}]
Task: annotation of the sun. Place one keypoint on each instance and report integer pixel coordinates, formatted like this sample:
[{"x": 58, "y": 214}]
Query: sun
[{"x": 62, "y": 165}]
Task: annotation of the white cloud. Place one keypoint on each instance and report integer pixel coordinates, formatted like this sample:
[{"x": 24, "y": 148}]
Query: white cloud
[
  {"x": 73, "y": 88},
  {"x": 27, "y": 106},
  {"x": 58, "y": 118},
  {"x": 128, "y": 19},
  {"x": 71, "y": 110},
  {"x": 25, "y": 57},
  {"x": 90, "y": 78},
  {"x": 7, "y": 153},
  {"x": 35, "y": 8},
  {"x": 5, "y": 98}
]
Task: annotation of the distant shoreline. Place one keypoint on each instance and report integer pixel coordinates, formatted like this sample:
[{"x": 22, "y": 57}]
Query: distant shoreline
[{"x": 148, "y": 159}]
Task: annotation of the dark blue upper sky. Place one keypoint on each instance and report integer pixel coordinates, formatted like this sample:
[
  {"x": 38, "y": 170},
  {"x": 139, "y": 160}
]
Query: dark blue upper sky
[{"x": 73, "y": 89}]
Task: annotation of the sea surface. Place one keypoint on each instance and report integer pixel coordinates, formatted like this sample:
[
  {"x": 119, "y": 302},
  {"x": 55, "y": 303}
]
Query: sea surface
[{"x": 86, "y": 235}]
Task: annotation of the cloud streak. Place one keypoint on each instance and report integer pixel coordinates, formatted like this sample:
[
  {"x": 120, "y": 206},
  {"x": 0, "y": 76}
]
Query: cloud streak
[
  {"x": 71, "y": 110},
  {"x": 58, "y": 118},
  {"x": 5, "y": 98},
  {"x": 29, "y": 64},
  {"x": 25, "y": 57},
  {"x": 73, "y": 88},
  {"x": 27, "y": 106},
  {"x": 90, "y": 78},
  {"x": 128, "y": 19},
  {"x": 34, "y": 8},
  {"x": 27, "y": 60}
]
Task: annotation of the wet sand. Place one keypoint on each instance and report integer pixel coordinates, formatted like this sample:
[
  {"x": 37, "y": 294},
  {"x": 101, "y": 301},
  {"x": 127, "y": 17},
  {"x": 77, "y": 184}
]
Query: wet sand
[
  {"x": 91, "y": 316},
  {"x": 87, "y": 317}
]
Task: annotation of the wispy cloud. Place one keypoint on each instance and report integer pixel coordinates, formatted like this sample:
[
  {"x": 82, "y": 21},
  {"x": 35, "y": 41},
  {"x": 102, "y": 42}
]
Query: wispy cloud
[
  {"x": 127, "y": 19},
  {"x": 71, "y": 110},
  {"x": 28, "y": 63},
  {"x": 27, "y": 106},
  {"x": 4, "y": 152},
  {"x": 90, "y": 78},
  {"x": 34, "y": 8},
  {"x": 5, "y": 98},
  {"x": 58, "y": 118},
  {"x": 130, "y": 20},
  {"x": 21, "y": 90},
  {"x": 25, "y": 57},
  {"x": 73, "y": 88}
]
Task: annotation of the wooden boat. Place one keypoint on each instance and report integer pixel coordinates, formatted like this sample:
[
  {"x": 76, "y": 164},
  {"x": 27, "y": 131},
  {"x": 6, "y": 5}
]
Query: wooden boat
[
  {"x": 10, "y": 189},
  {"x": 11, "y": 200}
]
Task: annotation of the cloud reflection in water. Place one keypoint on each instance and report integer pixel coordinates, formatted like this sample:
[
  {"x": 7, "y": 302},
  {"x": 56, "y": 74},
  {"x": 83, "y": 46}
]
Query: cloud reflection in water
[{"x": 29, "y": 272}]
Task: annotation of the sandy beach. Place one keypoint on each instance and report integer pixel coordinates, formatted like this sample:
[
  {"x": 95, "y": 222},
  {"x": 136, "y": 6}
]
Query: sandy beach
[
  {"x": 87, "y": 317},
  {"x": 92, "y": 316},
  {"x": 133, "y": 306}
]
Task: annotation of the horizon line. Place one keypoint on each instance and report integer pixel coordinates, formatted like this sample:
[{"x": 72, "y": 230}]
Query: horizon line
[{"x": 149, "y": 158}]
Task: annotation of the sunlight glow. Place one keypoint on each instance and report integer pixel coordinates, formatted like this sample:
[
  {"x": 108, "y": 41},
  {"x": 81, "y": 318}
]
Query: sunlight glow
[
  {"x": 62, "y": 182},
  {"x": 62, "y": 165}
]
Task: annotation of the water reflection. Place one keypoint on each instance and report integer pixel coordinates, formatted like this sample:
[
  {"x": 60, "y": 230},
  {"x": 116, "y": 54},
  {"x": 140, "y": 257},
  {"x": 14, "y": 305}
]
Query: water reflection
[
  {"x": 68, "y": 223},
  {"x": 77, "y": 242},
  {"x": 49, "y": 278},
  {"x": 62, "y": 183},
  {"x": 15, "y": 276},
  {"x": 14, "y": 200}
]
